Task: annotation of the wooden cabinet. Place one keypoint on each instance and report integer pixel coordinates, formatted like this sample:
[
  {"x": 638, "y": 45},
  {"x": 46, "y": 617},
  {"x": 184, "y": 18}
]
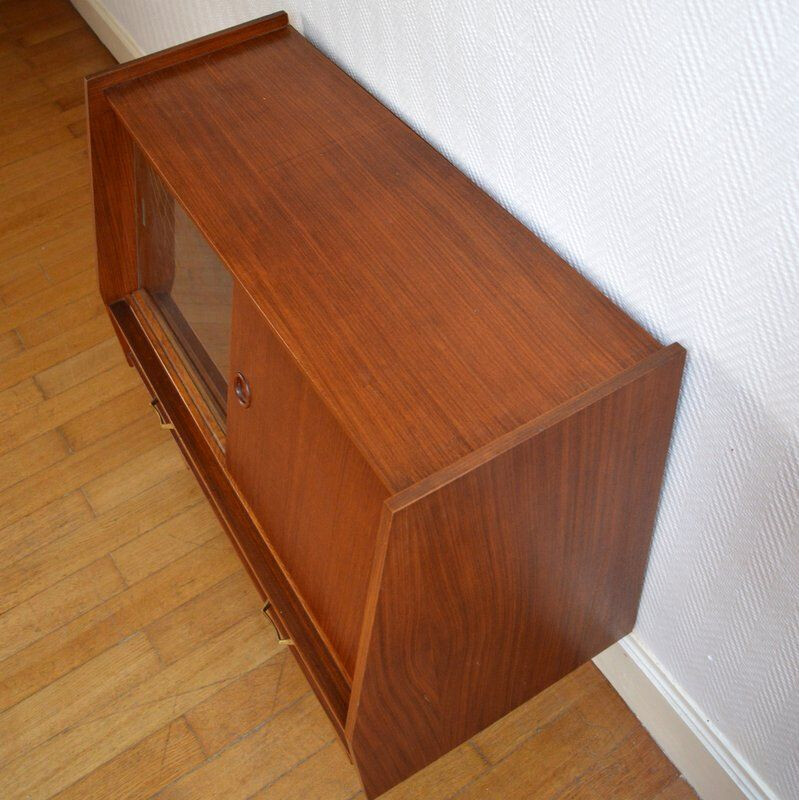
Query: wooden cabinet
[{"x": 436, "y": 447}]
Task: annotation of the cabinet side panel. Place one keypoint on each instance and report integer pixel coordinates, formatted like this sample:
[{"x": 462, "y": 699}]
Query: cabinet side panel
[
  {"x": 502, "y": 581},
  {"x": 312, "y": 491},
  {"x": 113, "y": 194}
]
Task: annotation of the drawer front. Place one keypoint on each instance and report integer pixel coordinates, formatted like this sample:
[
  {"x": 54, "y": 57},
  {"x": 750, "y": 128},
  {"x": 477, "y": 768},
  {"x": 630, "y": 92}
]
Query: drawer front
[
  {"x": 204, "y": 458},
  {"x": 311, "y": 490}
]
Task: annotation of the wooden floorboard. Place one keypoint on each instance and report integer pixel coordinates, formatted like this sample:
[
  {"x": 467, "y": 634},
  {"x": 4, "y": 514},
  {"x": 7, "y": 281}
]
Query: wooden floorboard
[{"x": 134, "y": 662}]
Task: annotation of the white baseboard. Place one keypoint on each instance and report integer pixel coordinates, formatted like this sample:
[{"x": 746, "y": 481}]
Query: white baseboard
[
  {"x": 108, "y": 30},
  {"x": 709, "y": 763}
]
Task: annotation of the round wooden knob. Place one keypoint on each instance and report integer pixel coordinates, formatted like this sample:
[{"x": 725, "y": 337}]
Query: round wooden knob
[{"x": 241, "y": 388}]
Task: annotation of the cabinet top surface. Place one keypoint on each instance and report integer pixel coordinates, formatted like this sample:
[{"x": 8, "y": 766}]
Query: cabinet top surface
[{"x": 428, "y": 318}]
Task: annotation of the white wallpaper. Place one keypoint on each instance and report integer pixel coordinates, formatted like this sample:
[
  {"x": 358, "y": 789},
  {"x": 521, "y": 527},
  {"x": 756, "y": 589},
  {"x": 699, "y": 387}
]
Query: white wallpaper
[{"x": 653, "y": 144}]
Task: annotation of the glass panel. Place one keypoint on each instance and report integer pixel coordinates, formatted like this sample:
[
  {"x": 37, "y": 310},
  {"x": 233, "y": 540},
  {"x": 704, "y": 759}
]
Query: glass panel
[{"x": 188, "y": 282}]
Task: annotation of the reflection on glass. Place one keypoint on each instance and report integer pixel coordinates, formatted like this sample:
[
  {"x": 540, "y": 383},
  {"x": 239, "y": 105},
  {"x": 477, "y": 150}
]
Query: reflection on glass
[{"x": 188, "y": 282}]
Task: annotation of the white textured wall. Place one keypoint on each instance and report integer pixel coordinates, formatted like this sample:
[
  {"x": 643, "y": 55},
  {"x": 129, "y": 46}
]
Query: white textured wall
[{"x": 654, "y": 145}]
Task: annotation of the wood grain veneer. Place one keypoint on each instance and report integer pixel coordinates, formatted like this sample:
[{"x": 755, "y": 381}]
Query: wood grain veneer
[
  {"x": 314, "y": 493},
  {"x": 447, "y": 472},
  {"x": 502, "y": 578},
  {"x": 390, "y": 277}
]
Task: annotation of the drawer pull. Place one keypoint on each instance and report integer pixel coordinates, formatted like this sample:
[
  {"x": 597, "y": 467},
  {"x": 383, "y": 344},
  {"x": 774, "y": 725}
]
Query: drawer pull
[
  {"x": 163, "y": 423},
  {"x": 282, "y": 638}
]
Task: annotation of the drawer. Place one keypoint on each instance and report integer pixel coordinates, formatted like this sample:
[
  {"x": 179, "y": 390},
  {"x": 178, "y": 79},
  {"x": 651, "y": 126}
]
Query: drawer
[{"x": 287, "y": 610}]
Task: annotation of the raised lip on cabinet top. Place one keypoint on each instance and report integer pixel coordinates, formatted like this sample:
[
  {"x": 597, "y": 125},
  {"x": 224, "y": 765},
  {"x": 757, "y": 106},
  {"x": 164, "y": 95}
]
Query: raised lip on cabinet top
[{"x": 429, "y": 320}]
